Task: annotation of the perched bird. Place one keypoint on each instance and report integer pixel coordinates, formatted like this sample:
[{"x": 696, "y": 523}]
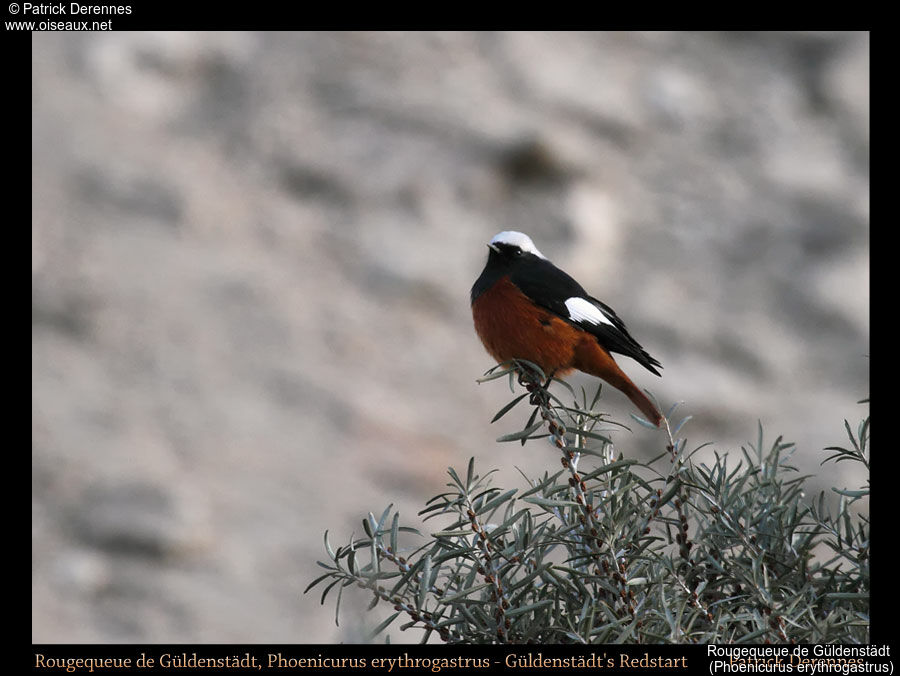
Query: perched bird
[{"x": 525, "y": 307}]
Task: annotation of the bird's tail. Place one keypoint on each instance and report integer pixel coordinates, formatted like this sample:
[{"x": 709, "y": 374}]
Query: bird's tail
[
  {"x": 643, "y": 403},
  {"x": 591, "y": 358}
]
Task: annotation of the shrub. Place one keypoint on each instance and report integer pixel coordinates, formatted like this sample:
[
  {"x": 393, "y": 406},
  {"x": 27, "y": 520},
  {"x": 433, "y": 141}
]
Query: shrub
[{"x": 669, "y": 550}]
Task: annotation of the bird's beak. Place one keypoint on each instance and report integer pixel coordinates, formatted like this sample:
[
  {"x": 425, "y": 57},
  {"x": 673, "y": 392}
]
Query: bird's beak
[{"x": 493, "y": 248}]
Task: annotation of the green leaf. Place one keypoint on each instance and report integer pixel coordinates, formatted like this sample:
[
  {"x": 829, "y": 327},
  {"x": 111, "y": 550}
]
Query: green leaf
[
  {"x": 384, "y": 516},
  {"x": 404, "y": 580},
  {"x": 566, "y": 385},
  {"x": 395, "y": 527},
  {"x": 593, "y": 435},
  {"x": 423, "y": 582},
  {"x": 847, "y": 596},
  {"x": 495, "y": 501},
  {"x": 521, "y": 434},
  {"x": 383, "y": 625},
  {"x": 468, "y": 591},
  {"x": 316, "y": 581},
  {"x": 530, "y": 421},
  {"x": 494, "y": 375},
  {"x": 506, "y": 409},
  {"x": 531, "y": 366},
  {"x": 455, "y": 476},
  {"x": 462, "y": 532},
  {"x": 610, "y": 467},
  {"x": 669, "y": 493},
  {"x": 544, "y": 502},
  {"x": 337, "y": 606},
  {"x": 512, "y": 612},
  {"x": 681, "y": 424},
  {"x": 851, "y": 494},
  {"x": 643, "y": 422}
]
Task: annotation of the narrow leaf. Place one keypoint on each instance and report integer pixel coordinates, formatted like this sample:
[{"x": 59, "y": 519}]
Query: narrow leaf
[
  {"x": 423, "y": 581},
  {"x": 521, "y": 434},
  {"x": 506, "y": 409},
  {"x": 383, "y": 625},
  {"x": 512, "y": 612}
]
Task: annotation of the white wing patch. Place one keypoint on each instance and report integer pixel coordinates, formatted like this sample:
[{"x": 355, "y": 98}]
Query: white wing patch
[
  {"x": 582, "y": 310},
  {"x": 519, "y": 239}
]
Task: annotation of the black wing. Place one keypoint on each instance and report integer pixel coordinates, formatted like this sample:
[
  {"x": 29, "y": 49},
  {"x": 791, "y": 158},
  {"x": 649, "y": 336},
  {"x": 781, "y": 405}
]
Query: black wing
[{"x": 550, "y": 288}]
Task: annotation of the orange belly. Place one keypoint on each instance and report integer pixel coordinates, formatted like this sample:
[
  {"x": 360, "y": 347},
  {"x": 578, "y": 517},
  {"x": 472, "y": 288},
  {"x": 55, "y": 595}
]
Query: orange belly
[{"x": 511, "y": 327}]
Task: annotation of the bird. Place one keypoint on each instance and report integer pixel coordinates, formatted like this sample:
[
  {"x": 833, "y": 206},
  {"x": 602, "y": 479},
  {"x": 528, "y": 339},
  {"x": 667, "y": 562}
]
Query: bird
[{"x": 524, "y": 307}]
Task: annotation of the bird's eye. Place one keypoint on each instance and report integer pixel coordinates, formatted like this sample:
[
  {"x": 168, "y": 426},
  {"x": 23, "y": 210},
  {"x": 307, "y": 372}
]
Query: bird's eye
[{"x": 517, "y": 251}]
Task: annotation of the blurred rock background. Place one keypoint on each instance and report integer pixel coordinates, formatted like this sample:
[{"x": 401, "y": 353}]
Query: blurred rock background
[{"x": 251, "y": 262}]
